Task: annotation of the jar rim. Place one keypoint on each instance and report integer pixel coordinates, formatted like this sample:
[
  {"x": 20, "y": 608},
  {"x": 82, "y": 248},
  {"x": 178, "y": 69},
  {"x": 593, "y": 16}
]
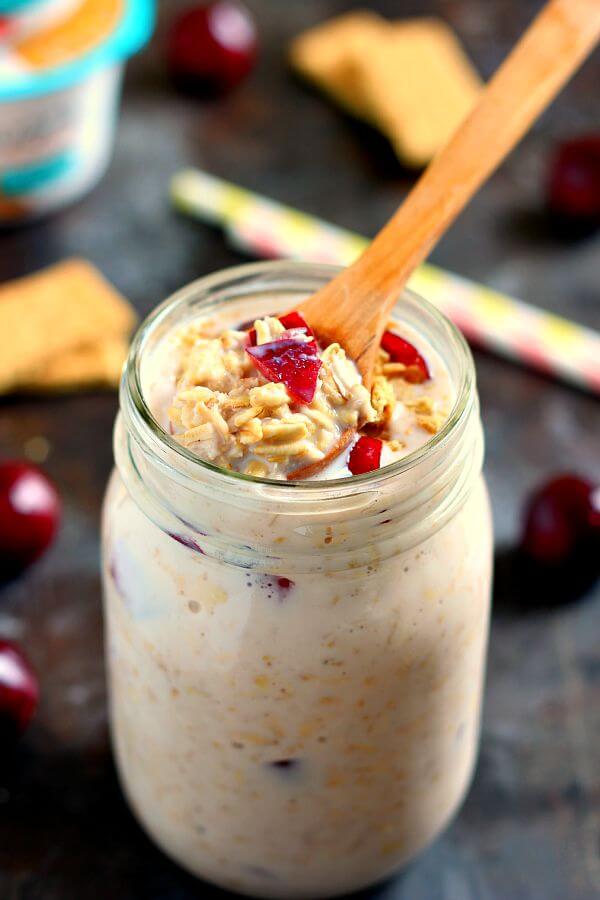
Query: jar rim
[{"x": 131, "y": 382}]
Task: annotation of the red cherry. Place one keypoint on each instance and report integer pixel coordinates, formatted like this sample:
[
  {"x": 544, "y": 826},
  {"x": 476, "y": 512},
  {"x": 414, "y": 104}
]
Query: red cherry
[
  {"x": 285, "y": 584},
  {"x": 402, "y": 352},
  {"x": 213, "y": 47},
  {"x": 365, "y": 456},
  {"x": 559, "y": 519},
  {"x": 5, "y": 27},
  {"x": 574, "y": 179},
  {"x": 292, "y": 320},
  {"x": 29, "y": 513},
  {"x": 18, "y": 692},
  {"x": 291, "y": 361},
  {"x": 594, "y": 513}
]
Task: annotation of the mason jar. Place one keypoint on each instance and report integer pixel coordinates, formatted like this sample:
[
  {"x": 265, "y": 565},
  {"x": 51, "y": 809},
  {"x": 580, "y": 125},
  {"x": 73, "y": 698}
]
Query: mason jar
[{"x": 295, "y": 669}]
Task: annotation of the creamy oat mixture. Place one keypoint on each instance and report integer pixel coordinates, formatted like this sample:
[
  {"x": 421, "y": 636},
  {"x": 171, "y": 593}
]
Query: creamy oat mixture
[
  {"x": 269, "y": 401},
  {"x": 302, "y": 721}
]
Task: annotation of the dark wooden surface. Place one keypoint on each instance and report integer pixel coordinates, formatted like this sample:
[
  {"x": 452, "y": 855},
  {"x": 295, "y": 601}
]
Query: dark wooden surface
[{"x": 529, "y": 828}]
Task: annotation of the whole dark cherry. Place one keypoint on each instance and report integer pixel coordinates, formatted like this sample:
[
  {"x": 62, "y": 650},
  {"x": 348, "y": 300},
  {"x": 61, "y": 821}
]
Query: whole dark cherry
[
  {"x": 212, "y": 47},
  {"x": 18, "y": 693},
  {"x": 561, "y": 519},
  {"x": 574, "y": 181},
  {"x": 29, "y": 513}
]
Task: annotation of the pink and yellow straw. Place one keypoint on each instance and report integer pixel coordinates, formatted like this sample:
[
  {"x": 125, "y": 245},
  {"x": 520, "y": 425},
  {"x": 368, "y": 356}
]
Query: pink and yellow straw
[{"x": 487, "y": 318}]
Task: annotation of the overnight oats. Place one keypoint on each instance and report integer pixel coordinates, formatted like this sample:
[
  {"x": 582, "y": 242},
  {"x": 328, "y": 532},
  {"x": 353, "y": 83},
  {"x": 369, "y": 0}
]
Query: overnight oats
[{"x": 295, "y": 645}]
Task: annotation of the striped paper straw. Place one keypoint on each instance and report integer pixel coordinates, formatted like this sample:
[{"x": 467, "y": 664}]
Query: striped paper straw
[{"x": 512, "y": 329}]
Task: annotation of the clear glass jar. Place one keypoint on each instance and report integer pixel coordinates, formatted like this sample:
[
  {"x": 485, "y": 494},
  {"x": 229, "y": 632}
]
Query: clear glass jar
[{"x": 295, "y": 670}]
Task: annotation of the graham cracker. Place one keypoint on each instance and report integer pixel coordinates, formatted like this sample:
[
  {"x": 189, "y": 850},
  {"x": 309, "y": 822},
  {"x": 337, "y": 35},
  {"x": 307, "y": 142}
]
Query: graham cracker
[
  {"x": 420, "y": 85},
  {"x": 46, "y": 315},
  {"x": 82, "y": 368},
  {"x": 330, "y": 55},
  {"x": 411, "y": 79}
]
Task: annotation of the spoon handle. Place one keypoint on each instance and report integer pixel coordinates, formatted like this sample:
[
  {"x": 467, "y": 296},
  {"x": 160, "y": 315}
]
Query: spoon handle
[{"x": 548, "y": 53}]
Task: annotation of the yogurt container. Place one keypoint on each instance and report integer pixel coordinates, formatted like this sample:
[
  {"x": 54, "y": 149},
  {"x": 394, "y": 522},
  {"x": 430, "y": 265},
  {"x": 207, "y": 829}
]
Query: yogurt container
[{"x": 61, "y": 63}]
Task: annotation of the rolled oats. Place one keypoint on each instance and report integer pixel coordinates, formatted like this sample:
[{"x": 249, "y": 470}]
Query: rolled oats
[
  {"x": 251, "y": 432},
  {"x": 269, "y": 395},
  {"x": 227, "y": 412},
  {"x": 278, "y": 431},
  {"x": 198, "y": 433},
  {"x": 267, "y": 330},
  {"x": 224, "y": 409},
  {"x": 319, "y": 418},
  {"x": 241, "y": 418},
  {"x": 383, "y": 398},
  {"x": 257, "y": 469}
]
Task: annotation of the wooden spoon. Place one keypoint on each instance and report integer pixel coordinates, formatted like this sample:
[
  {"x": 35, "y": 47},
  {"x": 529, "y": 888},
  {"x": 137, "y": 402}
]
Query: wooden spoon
[{"x": 355, "y": 307}]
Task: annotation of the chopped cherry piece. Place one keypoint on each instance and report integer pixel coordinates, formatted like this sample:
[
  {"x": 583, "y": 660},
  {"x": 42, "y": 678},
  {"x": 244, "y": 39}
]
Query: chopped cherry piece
[
  {"x": 18, "y": 692},
  {"x": 29, "y": 513},
  {"x": 293, "y": 362},
  {"x": 401, "y": 351},
  {"x": 213, "y": 46},
  {"x": 290, "y": 321},
  {"x": 559, "y": 520},
  {"x": 365, "y": 456},
  {"x": 574, "y": 180},
  {"x": 295, "y": 320}
]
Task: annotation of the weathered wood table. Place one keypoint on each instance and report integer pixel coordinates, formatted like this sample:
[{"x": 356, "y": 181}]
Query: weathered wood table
[{"x": 529, "y": 829}]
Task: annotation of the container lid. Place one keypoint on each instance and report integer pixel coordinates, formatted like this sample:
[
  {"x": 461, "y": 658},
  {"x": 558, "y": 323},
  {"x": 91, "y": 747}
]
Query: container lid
[
  {"x": 132, "y": 26},
  {"x": 8, "y": 7}
]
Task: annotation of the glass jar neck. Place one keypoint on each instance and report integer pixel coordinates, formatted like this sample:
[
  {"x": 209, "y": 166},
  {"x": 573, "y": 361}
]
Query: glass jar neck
[{"x": 306, "y": 526}]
